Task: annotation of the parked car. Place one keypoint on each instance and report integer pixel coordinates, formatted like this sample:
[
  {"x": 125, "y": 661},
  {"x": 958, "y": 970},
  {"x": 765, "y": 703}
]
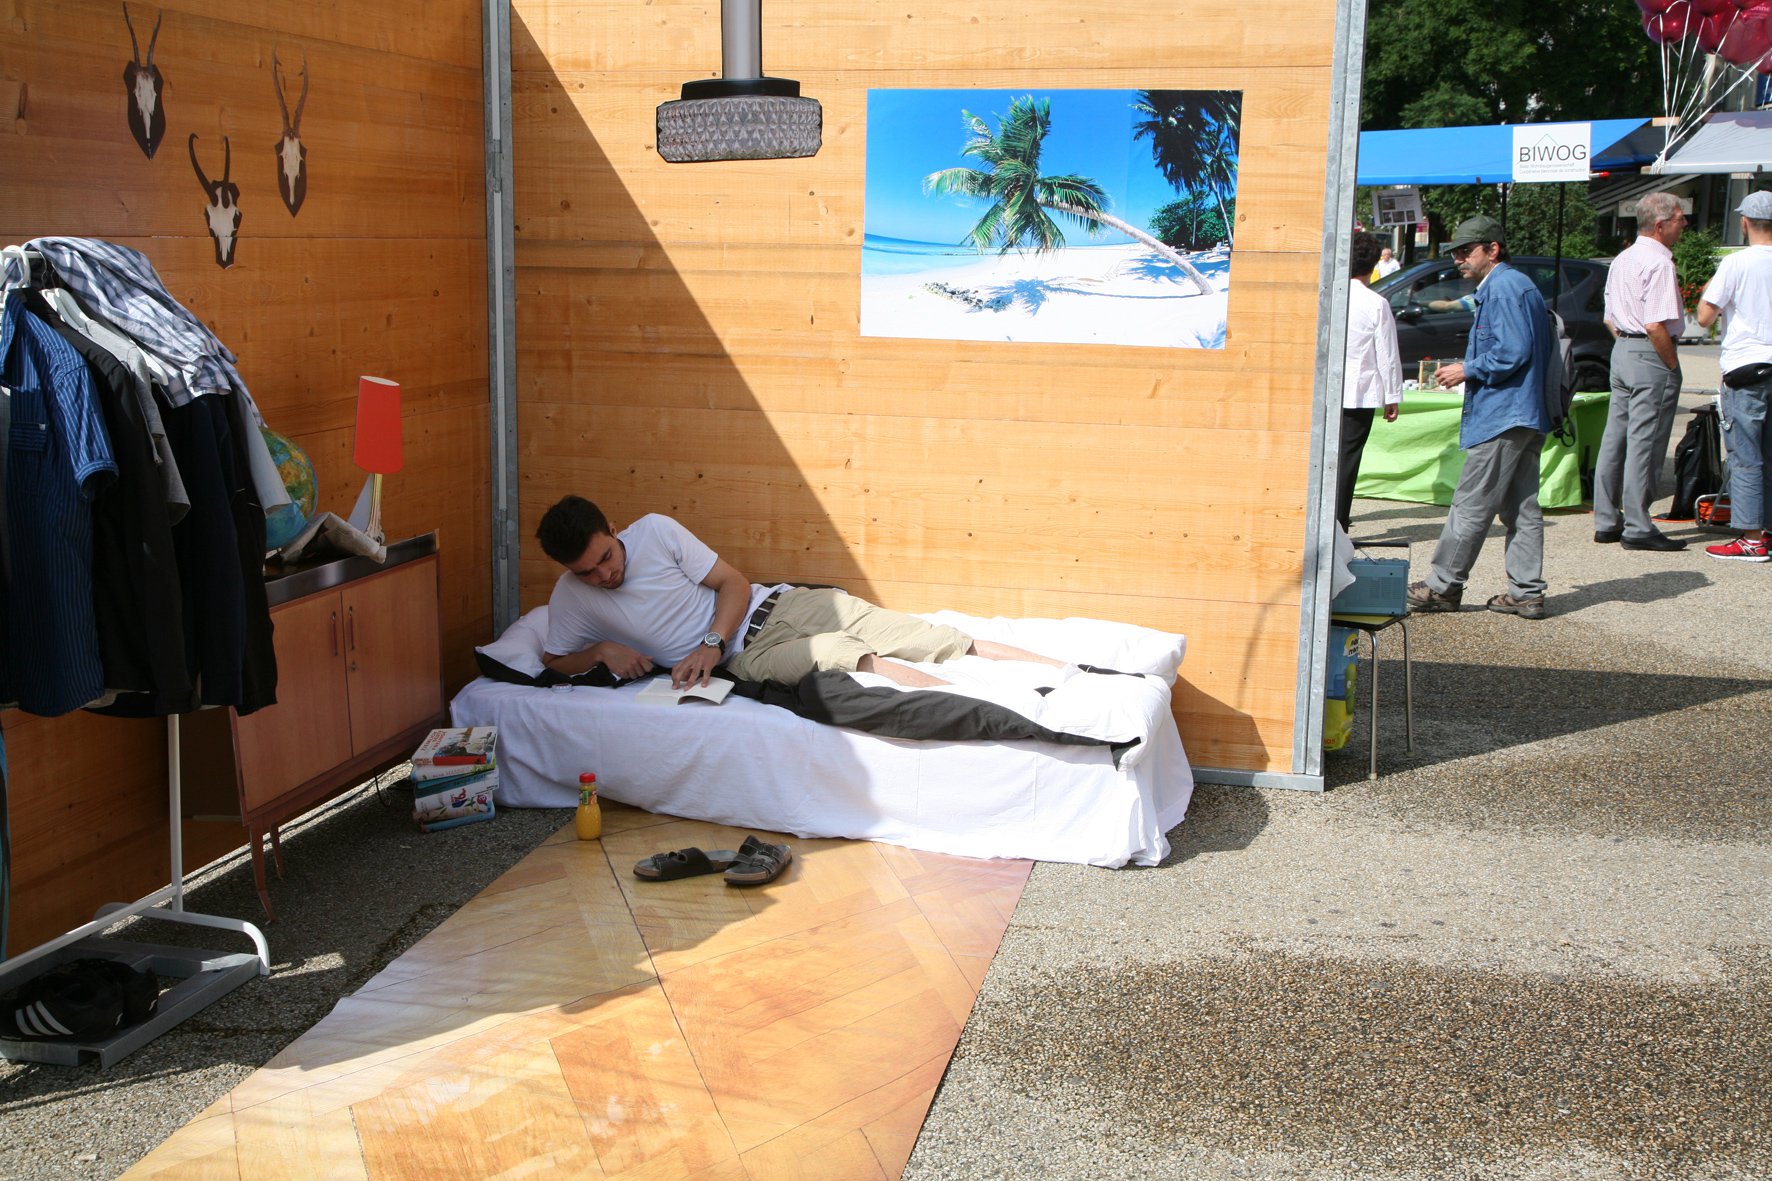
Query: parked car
[{"x": 1426, "y": 332}]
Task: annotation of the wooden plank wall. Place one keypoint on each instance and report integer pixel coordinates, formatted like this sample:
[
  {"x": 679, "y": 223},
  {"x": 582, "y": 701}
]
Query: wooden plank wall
[
  {"x": 383, "y": 272},
  {"x": 688, "y": 337}
]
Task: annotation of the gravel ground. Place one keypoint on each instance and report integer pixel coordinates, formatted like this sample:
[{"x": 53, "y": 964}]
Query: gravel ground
[{"x": 1537, "y": 948}]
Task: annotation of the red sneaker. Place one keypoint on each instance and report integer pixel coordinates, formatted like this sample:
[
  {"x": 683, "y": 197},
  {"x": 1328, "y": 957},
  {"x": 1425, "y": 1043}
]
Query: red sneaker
[{"x": 1742, "y": 549}]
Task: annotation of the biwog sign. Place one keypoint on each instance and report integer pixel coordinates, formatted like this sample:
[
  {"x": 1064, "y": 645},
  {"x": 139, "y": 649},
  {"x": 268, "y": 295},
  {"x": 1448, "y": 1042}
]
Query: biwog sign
[{"x": 1547, "y": 152}]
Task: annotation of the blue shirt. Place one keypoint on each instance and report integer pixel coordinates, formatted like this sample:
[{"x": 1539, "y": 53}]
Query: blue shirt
[
  {"x": 1505, "y": 359},
  {"x": 58, "y": 458}
]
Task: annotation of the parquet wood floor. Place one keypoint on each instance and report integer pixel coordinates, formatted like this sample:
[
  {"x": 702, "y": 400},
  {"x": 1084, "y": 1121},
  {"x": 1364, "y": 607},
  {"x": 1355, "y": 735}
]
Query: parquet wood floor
[{"x": 574, "y": 1019}]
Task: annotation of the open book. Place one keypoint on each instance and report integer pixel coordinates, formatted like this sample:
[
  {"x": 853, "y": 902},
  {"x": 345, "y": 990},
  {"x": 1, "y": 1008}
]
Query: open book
[{"x": 659, "y": 692}]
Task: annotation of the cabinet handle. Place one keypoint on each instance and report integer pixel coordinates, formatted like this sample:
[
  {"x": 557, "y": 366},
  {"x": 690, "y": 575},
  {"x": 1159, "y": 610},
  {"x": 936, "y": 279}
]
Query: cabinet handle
[
  {"x": 335, "y": 633},
  {"x": 351, "y": 629}
]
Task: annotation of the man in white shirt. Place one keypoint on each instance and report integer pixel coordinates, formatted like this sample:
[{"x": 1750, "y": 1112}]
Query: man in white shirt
[
  {"x": 1373, "y": 377},
  {"x": 1644, "y": 311},
  {"x": 1386, "y": 265},
  {"x": 1741, "y": 292},
  {"x": 655, "y": 596}
]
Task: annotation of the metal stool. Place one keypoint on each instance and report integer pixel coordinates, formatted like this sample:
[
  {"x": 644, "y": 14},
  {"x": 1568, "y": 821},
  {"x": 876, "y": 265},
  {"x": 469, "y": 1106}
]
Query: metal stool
[{"x": 1372, "y": 625}]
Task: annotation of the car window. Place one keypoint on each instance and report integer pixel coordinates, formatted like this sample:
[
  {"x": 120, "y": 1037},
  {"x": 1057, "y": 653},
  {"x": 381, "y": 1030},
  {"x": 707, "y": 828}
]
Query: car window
[{"x": 1440, "y": 284}]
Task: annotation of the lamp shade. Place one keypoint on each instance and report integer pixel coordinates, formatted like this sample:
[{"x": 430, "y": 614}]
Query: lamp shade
[{"x": 378, "y": 425}]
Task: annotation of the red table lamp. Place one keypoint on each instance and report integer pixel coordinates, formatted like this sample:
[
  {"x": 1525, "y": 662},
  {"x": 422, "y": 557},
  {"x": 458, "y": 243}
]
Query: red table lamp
[{"x": 378, "y": 439}]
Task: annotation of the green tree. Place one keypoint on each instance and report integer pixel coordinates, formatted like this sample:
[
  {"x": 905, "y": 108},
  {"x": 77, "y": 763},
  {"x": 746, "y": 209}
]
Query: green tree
[
  {"x": 1020, "y": 197},
  {"x": 1193, "y": 222},
  {"x": 1451, "y": 63},
  {"x": 1695, "y": 261},
  {"x": 1193, "y": 136}
]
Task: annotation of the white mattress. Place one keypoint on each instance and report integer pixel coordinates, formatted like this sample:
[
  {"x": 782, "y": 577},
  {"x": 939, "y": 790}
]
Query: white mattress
[{"x": 761, "y": 767}]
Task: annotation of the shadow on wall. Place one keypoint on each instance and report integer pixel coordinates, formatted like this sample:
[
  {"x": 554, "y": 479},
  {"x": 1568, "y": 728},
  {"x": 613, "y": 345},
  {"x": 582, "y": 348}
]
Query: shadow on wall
[{"x": 627, "y": 395}]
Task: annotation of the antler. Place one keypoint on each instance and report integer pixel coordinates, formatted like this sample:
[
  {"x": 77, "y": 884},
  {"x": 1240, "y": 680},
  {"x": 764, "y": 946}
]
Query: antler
[
  {"x": 154, "y": 36},
  {"x": 227, "y": 159},
  {"x": 192, "y": 144},
  {"x": 303, "y": 100},
  {"x": 290, "y": 125},
  {"x": 135, "y": 49}
]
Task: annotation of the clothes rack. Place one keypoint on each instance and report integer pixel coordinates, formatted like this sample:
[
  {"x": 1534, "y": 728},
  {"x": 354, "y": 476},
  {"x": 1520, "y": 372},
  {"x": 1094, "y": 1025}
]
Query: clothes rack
[{"x": 201, "y": 976}]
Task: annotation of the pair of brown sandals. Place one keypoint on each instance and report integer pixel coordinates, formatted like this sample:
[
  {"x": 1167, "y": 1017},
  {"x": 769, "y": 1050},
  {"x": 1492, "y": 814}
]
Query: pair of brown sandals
[{"x": 755, "y": 863}]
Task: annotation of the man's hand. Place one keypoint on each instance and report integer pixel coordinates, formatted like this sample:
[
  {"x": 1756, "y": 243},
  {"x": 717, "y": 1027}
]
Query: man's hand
[
  {"x": 694, "y": 668},
  {"x": 1450, "y": 375},
  {"x": 621, "y": 660},
  {"x": 1390, "y": 412}
]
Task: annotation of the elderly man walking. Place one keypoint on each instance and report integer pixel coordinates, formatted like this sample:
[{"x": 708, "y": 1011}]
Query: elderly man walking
[
  {"x": 1506, "y": 416},
  {"x": 1741, "y": 292},
  {"x": 1644, "y": 311}
]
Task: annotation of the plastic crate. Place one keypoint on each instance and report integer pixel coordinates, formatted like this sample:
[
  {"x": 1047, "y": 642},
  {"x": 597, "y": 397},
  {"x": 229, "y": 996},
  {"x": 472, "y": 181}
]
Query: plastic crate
[{"x": 1380, "y": 587}]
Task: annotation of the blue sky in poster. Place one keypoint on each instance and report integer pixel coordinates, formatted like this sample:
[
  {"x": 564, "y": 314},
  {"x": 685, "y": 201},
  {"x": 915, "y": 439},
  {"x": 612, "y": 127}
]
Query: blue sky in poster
[{"x": 912, "y": 133}]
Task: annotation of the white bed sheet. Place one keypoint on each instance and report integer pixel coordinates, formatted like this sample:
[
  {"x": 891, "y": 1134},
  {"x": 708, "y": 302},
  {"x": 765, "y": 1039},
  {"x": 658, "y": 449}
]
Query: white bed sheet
[{"x": 757, "y": 766}]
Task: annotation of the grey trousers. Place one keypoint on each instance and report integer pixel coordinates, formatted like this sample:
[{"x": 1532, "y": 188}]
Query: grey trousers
[
  {"x": 1639, "y": 421},
  {"x": 1500, "y": 479}
]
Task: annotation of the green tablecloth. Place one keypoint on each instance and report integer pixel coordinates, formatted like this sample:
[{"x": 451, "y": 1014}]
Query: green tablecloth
[{"x": 1417, "y": 457}]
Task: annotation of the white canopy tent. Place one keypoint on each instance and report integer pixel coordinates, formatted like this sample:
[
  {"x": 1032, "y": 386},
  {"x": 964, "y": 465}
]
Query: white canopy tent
[{"x": 1729, "y": 141}]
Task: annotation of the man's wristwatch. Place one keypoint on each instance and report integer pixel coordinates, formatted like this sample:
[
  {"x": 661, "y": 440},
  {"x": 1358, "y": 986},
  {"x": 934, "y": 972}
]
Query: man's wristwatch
[{"x": 714, "y": 640}]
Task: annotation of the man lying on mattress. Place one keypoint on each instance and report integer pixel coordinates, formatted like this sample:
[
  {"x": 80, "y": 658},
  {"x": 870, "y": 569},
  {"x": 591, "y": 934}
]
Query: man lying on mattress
[{"x": 655, "y": 596}]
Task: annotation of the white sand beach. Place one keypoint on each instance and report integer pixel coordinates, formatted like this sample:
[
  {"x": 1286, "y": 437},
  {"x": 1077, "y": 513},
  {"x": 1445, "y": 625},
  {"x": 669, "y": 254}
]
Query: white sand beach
[{"x": 1125, "y": 295}]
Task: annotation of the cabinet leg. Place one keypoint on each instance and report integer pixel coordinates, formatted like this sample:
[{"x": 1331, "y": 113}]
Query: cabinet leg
[
  {"x": 277, "y": 852},
  {"x": 255, "y": 841}
]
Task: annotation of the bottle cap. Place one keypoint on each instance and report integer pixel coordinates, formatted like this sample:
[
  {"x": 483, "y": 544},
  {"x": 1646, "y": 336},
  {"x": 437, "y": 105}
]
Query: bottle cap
[{"x": 588, "y": 777}]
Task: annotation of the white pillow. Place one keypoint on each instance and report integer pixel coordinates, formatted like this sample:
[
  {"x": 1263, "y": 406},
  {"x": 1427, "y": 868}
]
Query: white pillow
[{"x": 521, "y": 647}]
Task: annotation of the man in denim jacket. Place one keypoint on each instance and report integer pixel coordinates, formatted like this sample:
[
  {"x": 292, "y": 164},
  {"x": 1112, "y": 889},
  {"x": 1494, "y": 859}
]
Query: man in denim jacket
[{"x": 1506, "y": 416}]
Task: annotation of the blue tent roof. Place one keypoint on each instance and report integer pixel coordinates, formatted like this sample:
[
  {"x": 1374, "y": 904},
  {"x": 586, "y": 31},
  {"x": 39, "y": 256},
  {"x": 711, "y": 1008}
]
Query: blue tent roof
[{"x": 1484, "y": 155}]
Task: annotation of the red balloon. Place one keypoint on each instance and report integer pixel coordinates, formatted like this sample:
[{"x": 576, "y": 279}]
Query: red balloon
[
  {"x": 1656, "y": 7},
  {"x": 1749, "y": 39},
  {"x": 1765, "y": 66},
  {"x": 1712, "y": 28},
  {"x": 1668, "y": 27},
  {"x": 1709, "y": 7}
]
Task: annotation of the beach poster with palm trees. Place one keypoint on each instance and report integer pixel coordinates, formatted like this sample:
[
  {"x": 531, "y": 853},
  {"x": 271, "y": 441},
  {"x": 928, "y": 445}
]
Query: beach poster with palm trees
[{"x": 1056, "y": 216}]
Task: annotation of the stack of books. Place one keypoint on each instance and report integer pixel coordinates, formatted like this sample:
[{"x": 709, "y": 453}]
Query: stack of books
[{"x": 454, "y": 777}]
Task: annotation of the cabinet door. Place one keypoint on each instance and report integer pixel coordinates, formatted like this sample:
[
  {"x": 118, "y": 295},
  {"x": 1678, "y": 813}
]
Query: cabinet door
[
  {"x": 307, "y": 732},
  {"x": 392, "y": 658}
]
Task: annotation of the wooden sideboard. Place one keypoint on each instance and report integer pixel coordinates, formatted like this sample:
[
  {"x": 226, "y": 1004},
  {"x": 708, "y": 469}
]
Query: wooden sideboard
[{"x": 359, "y": 683}]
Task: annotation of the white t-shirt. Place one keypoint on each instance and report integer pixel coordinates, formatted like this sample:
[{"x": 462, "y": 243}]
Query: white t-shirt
[
  {"x": 1374, "y": 375},
  {"x": 1742, "y": 288},
  {"x": 660, "y": 610}
]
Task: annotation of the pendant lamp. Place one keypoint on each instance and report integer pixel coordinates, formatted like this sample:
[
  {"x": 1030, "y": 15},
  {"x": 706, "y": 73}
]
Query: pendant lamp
[{"x": 741, "y": 115}]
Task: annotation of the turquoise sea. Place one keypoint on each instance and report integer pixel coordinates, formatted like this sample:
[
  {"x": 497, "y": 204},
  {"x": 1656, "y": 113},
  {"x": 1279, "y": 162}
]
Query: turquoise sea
[{"x": 900, "y": 256}]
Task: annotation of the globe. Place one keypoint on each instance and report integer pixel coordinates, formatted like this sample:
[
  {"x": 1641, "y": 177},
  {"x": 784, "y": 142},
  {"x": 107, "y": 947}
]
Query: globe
[{"x": 283, "y": 523}]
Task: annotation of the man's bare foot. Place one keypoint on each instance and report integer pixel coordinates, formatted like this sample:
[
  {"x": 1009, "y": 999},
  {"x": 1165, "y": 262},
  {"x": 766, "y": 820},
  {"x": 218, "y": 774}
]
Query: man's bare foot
[{"x": 904, "y": 674}]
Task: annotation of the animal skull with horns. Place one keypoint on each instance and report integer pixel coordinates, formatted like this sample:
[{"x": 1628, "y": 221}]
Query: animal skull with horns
[
  {"x": 142, "y": 81},
  {"x": 223, "y": 211}
]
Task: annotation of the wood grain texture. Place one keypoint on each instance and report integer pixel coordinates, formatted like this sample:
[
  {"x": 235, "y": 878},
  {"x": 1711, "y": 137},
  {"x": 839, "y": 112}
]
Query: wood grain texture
[
  {"x": 382, "y": 272},
  {"x": 574, "y": 1019},
  {"x": 689, "y": 338}
]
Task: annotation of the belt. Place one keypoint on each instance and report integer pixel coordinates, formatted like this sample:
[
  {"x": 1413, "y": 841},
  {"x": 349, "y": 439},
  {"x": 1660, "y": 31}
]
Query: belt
[
  {"x": 1634, "y": 335},
  {"x": 760, "y": 616}
]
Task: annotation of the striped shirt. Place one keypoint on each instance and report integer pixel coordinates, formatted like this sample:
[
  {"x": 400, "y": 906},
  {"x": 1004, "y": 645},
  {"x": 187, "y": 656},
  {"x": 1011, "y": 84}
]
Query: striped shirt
[{"x": 1641, "y": 289}]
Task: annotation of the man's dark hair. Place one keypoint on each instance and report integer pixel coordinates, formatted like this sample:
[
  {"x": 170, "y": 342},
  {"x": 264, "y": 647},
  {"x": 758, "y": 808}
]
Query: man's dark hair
[
  {"x": 1364, "y": 255},
  {"x": 568, "y": 527}
]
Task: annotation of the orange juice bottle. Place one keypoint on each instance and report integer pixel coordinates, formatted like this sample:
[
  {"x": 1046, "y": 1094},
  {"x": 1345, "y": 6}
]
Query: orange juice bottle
[{"x": 590, "y": 818}]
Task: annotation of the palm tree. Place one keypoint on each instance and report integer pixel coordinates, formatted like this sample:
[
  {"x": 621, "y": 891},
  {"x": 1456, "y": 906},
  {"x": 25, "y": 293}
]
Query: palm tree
[
  {"x": 1020, "y": 197},
  {"x": 1193, "y": 136}
]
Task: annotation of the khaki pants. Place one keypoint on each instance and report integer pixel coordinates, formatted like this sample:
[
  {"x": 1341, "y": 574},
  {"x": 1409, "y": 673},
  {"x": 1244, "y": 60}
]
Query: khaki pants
[{"x": 814, "y": 630}]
